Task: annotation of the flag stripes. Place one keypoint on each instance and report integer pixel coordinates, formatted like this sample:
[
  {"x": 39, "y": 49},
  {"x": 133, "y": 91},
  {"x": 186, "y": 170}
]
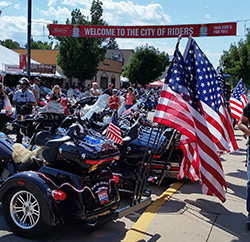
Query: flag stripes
[
  {"x": 192, "y": 102},
  {"x": 238, "y": 101},
  {"x": 114, "y": 132}
]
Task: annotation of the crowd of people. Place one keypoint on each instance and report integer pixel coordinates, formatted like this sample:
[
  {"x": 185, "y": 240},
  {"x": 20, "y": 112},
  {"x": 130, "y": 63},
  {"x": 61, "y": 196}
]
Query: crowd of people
[{"x": 27, "y": 95}]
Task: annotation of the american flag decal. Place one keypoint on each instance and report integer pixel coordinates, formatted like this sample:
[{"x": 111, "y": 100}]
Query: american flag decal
[{"x": 114, "y": 132}]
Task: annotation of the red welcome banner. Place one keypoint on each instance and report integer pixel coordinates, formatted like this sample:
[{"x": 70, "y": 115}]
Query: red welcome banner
[{"x": 161, "y": 31}]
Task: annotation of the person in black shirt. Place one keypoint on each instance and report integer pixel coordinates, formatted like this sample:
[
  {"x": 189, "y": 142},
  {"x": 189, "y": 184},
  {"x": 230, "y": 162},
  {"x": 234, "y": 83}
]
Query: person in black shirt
[
  {"x": 56, "y": 94},
  {"x": 243, "y": 125},
  {"x": 108, "y": 90}
]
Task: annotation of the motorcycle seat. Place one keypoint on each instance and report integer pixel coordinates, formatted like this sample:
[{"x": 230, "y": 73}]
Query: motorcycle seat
[
  {"x": 127, "y": 139},
  {"x": 133, "y": 132},
  {"x": 54, "y": 143}
]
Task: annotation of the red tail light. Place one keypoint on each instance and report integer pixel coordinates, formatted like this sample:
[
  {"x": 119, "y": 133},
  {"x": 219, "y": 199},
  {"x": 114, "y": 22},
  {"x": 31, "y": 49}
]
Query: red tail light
[
  {"x": 116, "y": 178},
  {"x": 157, "y": 156},
  {"x": 59, "y": 195}
]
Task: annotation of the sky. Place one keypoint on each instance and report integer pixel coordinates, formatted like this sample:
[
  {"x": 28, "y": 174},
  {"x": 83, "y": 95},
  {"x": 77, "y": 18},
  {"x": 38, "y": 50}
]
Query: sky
[{"x": 13, "y": 20}]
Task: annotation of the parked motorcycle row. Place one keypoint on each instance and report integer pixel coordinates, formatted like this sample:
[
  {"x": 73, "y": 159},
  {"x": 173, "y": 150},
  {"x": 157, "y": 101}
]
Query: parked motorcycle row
[{"x": 67, "y": 170}]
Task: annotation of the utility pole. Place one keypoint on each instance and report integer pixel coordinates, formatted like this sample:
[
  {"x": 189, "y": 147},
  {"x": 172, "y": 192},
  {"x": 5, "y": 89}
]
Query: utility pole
[{"x": 29, "y": 39}]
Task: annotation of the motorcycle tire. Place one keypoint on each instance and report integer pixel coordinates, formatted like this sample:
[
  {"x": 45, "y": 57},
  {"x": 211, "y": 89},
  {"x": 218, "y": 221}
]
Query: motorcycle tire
[{"x": 27, "y": 220}]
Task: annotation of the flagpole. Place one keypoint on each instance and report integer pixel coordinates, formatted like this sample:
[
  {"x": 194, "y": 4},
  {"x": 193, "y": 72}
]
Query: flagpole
[
  {"x": 29, "y": 39},
  {"x": 178, "y": 41},
  {"x": 187, "y": 47}
]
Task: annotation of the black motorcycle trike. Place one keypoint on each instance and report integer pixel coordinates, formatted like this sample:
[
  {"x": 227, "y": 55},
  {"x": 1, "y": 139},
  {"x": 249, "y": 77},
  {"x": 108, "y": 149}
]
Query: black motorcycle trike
[{"x": 72, "y": 183}]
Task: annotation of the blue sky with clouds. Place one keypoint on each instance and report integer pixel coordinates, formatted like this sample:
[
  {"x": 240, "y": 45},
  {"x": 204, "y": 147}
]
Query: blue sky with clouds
[{"x": 133, "y": 12}]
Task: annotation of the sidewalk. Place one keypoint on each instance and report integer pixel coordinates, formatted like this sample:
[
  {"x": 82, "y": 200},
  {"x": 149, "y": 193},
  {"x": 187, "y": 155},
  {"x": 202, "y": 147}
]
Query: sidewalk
[{"x": 191, "y": 216}]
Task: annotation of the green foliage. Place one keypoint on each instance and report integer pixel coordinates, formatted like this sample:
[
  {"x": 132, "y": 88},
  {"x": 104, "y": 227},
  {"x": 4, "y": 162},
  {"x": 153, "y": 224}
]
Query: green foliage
[
  {"x": 79, "y": 57},
  {"x": 112, "y": 44},
  {"x": 39, "y": 45},
  {"x": 236, "y": 61},
  {"x": 9, "y": 43},
  {"x": 146, "y": 65}
]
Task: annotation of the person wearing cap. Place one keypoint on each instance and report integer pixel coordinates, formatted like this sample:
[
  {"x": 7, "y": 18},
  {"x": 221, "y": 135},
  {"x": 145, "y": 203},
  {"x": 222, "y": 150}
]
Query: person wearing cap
[
  {"x": 108, "y": 90},
  {"x": 114, "y": 101},
  {"x": 24, "y": 100},
  {"x": 94, "y": 90},
  {"x": 36, "y": 89}
]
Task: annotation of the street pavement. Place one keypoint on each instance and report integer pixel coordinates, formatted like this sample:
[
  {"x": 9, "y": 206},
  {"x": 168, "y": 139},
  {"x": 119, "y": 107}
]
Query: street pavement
[
  {"x": 181, "y": 214},
  {"x": 191, "y": 216}
]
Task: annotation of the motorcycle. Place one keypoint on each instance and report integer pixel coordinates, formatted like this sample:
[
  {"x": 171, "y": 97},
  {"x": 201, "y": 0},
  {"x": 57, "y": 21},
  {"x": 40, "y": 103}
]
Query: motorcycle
[
  {"x": 148, "y": 102},
  {"x": 135, "y": 129},
  {"x": 65, "y": 180},
  {"x": 73, "y": 183},
  {"x": 141, "y": 147}
]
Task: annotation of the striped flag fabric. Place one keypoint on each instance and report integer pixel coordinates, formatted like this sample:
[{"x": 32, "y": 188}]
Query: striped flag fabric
[
  {"x": 114, "y": 132},
  {"x": 211, "y": 98},
  {"x": 189, "y": 99},
  {"x": 222, "y": 83},
  {"x": 238, "y": 100}
]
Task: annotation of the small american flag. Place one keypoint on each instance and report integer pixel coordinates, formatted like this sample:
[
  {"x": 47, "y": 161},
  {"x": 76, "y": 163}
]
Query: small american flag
[
  {"x": 222, "y": 83},
  {"x": 238, "y": 100},
  {"x": 114, "y": 132}
]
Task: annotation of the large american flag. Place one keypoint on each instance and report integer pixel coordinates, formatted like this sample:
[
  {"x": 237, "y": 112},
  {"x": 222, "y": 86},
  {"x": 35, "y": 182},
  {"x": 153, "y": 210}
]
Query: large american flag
[
  {"x": 191, "y": 102},
  {"x": 238, "y": 100},
  {"x": 210, "y": 94},
  {"x": 114, "y": 132}
]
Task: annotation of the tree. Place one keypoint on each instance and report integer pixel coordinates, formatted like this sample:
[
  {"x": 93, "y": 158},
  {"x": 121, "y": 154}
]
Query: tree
[
  {"x": 39, "y": 45},
  {"x": 79, "y": 57},
  {"x": 236, "y": 61},
  {"x": 112, "y": 44},
  {"x": 9, "y": 43},
  {"x": 146, "y": 65}
]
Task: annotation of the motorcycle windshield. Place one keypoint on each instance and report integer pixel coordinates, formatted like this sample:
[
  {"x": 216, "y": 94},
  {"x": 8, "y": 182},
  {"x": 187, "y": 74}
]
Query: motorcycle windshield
[
  {"x": 52, "y": 107},
  {"x": 121, "y": 108},
  {"x": 100, "y": 104},
  {"x": 45, "y": 91},
  {"x": 135, "y": 107}
]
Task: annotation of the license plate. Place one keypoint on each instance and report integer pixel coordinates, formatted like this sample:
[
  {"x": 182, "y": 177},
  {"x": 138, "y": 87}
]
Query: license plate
[
  {"x": 103, "y": 196},
  {"x": 9, "y": 127}
]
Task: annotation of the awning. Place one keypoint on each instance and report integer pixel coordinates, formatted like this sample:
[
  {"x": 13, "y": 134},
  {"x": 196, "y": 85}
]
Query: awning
[{"x": 158, "y": 83}]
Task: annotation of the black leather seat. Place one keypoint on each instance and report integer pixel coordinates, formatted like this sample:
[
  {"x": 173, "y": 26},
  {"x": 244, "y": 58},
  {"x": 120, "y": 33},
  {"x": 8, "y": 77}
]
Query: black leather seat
[
  {"x": 54, "y": 143},
  {"x": 133, "y": 132}
]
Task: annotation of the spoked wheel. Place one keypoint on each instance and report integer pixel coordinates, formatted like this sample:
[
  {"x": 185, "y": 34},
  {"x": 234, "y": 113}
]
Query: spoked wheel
[
  {"x": 23, "y": 213},
  {"x": 24, "y": 209}
]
